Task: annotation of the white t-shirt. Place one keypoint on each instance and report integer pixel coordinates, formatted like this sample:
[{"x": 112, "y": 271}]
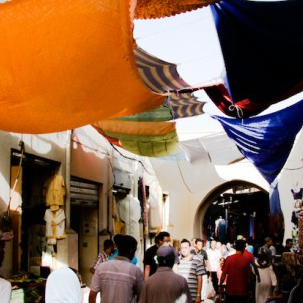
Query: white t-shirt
[
  {"x": 214, "y": 256},
  {"x": 5, "y": 291}
]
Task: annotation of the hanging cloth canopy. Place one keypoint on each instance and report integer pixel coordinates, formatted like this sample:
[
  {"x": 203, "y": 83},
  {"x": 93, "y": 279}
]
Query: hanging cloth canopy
[
  {"x": 149, "y": 9},
  {"x": 266, "y": 140},
  {"x": 159, "y": 114},
  {"x": 150, "y": 139},
  {"x": 159, "y": 76},
  {"x": 184, "y": 105},
  {"x": 64, "y": 64},
  {"x": 262, "y": 46}
]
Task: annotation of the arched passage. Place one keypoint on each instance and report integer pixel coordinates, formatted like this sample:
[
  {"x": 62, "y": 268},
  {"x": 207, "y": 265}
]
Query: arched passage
[{"x": 238, "y": 208}]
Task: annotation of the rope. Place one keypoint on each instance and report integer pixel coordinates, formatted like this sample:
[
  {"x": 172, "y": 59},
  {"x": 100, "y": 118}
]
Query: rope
[
  {"x": 22, "y": 150},
  {"x": 238, "y": 110}
]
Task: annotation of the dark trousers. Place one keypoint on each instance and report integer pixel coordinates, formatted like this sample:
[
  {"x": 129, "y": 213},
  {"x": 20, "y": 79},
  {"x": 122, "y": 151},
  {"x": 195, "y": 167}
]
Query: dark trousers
[
  {"x": 214, "y": 279},
  {"x": 235, "y": 299}
]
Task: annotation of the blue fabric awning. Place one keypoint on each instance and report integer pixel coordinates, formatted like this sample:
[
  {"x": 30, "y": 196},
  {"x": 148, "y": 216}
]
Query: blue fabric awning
[
  {"x": 262, "y": 46},
  {"x": 266, "y": 140}
]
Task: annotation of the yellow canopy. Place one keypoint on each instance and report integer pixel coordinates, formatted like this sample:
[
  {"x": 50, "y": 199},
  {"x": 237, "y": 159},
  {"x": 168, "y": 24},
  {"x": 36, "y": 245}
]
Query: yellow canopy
[{"x": 64, "y": 64}]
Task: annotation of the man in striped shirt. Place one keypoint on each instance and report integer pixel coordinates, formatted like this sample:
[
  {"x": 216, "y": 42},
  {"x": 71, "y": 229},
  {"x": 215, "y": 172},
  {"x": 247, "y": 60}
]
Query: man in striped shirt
[
  {"x": 117, "y": 280},
  {"x": 191, "y": 268},
  {"x": 108, "y": 248}
]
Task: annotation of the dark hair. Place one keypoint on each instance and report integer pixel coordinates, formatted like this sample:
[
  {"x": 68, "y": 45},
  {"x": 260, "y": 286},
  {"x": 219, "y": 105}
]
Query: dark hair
[
  {"x": 240, "y": 245},
  {"x": 168, "y": 261},
  {"x": 117, "y": 239},
  {"x": 289, "y": 240},
  {"x": 199, "y": 240},
  {"x": 156, "y": 239},
  {"x": 126, "y": 245},
  {"x": 162, "y": 234},
  {"x": 185, "y": 241},
  {"x": 267, "y": 239},
  {"x": 108, "y": 243}
]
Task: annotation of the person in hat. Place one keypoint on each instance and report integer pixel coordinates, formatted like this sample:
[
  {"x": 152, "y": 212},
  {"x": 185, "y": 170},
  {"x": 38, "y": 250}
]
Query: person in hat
[
  {"x": 5, "y": 286},
  {"x": 165, "y": 286}
]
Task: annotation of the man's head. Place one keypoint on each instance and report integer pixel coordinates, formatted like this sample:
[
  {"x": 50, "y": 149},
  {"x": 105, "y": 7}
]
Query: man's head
[
  {"x": 199, "y": 244},
  {"x": 221, "y": 261},
  {"x": 213, "y": 244},
  {"x": 240, "y": 245},
  {"x": 268, "y": 242},
  {"x": 117, "y": 239},
  {"x": 127, "y": 246},
  {"x": 163, "y": 237},
  {"x": 108, "y": 246},
  {"x": 289, "y": 243},
  {"x": 185, "y": 248},
  {"x": 166, "y": 256}
]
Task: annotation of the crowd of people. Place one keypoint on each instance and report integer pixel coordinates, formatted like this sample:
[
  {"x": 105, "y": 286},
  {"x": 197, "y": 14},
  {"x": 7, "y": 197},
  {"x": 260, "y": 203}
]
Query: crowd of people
[{"x": 189, "y": 271}]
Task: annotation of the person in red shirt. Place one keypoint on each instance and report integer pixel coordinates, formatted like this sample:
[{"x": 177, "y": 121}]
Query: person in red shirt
[{"x": 237, "y": 272}]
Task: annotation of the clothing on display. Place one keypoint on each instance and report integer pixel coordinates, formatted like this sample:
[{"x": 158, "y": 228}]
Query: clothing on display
[
  {"x": 54, "y": 192},
  {"x": 55, "y": 225}
]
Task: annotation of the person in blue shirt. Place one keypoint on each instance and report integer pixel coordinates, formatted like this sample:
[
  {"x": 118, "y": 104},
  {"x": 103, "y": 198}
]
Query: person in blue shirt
[{"x": 117, "y": 238}]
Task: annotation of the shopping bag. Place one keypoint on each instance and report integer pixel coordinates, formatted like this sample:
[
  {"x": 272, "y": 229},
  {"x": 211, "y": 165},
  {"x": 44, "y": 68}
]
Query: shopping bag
[{"x": 210, "y": 291}]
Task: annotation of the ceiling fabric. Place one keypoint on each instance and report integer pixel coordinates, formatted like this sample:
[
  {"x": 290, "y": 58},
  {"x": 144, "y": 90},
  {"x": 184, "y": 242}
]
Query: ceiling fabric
[
  {"x": 262, "y": 46},
  {"x": 184, "y": 105},
  {"x": 159, "y": 76},
  {"x": 150, "y": 139},
  {"x": 150, "y": 9},
  {"x": 266, "y": 140},
  {"x": 159, "y": 114},
  {"x": 64, "y": 64}
]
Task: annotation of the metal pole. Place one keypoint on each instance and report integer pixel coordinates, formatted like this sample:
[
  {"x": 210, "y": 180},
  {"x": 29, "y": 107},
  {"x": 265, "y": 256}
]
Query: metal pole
[{"x": 67, "y": 179}]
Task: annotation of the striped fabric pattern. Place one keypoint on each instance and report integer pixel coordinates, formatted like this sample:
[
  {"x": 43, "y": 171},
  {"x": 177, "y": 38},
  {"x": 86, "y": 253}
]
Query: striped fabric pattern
[
  {"x": 184, "y": 105},
  {"x": 163, "y": 78},
  {"x": 190, "y": 270},
  {"x": 159, "y": 76}
]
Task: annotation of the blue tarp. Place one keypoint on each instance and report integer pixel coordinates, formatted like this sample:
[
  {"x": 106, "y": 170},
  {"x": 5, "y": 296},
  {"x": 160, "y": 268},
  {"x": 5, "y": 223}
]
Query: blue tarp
[
  {"x": 266, "y": 140},
  {"x": 262, "y": 46}
]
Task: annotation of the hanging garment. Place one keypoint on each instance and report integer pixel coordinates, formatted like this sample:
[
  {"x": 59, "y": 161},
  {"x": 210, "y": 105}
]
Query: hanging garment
[
  {"x": 55, "y": 225},
  {"x": 54, "y": 192}
]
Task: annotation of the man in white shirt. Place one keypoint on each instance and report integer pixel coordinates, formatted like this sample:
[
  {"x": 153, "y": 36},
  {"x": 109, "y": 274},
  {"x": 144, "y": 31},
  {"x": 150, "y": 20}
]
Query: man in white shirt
[{"x": 214, "y": 256}]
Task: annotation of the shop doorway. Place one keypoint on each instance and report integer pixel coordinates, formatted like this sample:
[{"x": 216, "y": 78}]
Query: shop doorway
[
  {"x": 85, "y": 197},
  {"x": 29, "y": 224},
  {"x": 241, "y": 209}
]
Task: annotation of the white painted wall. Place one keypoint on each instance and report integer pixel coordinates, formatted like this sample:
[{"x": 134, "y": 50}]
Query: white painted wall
[{"x": 188, "y": 186}]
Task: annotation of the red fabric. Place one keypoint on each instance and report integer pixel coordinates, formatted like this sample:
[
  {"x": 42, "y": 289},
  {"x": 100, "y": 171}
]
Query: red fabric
[
  {"x": 220, "y": 96},
  {"x": 238, "y": 275}
]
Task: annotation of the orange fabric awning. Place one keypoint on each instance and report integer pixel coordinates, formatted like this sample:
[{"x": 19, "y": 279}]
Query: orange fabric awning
[{"x": 64, "y": 64}]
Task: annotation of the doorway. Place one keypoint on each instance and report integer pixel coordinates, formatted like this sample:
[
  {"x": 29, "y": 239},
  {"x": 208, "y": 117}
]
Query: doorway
[
  {"x": 30, "y": 225},
  {"x": 241, "y": 209}
]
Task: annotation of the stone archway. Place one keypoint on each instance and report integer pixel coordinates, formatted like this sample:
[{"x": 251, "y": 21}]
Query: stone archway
[{"x": 244, "y": 209}]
